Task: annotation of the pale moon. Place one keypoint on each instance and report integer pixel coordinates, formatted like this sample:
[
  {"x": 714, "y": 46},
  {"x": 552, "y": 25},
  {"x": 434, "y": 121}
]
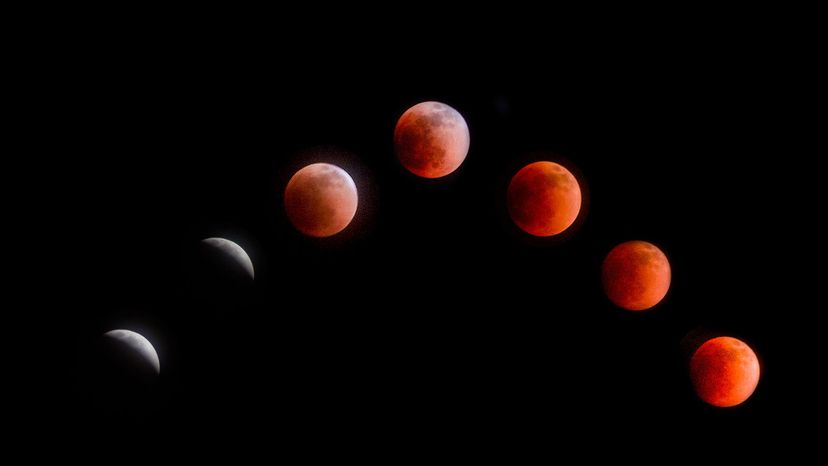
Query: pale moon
[
  {"x": 138, "y": 344},
  {"x": 232, "y": 251}
]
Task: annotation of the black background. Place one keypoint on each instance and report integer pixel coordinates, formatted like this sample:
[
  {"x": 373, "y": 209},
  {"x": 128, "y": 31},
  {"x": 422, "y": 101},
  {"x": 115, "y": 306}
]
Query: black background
[{"x": 432, "y": 320}]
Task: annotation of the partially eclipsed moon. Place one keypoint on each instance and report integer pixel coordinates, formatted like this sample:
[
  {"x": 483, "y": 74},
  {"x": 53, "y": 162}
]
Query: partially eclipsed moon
[
  {"x": 232, "y": 251},
  {"x": 636, "y": 275},
  {"x": 431, "y": 139},
  {"x": 544, "y": 198},
  {"x": 725, "y": 371},
  {"x": 321, "y": 200},
  {"x": 138, "y": 344}
]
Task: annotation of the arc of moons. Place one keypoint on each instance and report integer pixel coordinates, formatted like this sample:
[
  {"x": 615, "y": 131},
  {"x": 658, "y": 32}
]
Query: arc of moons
[
  {"x": 321, "y": 200},
  {"x": 724, "y": 371},
  {"x": 544, "y": 198},
  {"x": 232, "y": 251},
  {"x": 636, "y": 275},
  {"x": 138, "y": 344},
  {"x": 431, "y": 139}
]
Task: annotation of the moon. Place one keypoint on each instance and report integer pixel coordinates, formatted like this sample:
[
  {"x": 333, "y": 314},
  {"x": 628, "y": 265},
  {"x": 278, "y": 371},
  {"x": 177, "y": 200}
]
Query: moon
[
  {"x": 431, "y": 139},
  {"x": 636, "y": 275},
  {"x": 321, "y": 200},
  {"x": 725, "y": 371},
  {"x": 544, "y": 198},
  {"x": 137, "y": 345},
  {"x": 233, "y": 252}
]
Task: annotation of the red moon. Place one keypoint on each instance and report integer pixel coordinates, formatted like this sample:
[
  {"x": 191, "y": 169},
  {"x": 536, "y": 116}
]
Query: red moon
[
  {"x": 636, "y": 275},
  {"x": 544, "y": 198},
  {"x": 725, "y": 371},
  {"x": 431, "y": 139},
  {"x": 321, "y": 200}
]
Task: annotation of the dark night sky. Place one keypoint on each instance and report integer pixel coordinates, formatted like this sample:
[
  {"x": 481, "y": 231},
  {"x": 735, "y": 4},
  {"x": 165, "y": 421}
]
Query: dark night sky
[{"x": 432, "y": 319}]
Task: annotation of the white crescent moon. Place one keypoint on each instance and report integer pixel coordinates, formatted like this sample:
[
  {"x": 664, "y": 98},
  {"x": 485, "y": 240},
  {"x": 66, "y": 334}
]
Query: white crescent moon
[
  {"x": 139, "y": 344},
  {"x": 234, "y": 251}
]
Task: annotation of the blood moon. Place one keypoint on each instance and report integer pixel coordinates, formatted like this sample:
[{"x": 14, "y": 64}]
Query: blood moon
[
  {"x": 544, "y": 198},
  {"x": 321, "y": 200},
  {"x": 636, "y": 275},
  {"x": 431, "y": 139},
  {"x": 725, "y": 371}
]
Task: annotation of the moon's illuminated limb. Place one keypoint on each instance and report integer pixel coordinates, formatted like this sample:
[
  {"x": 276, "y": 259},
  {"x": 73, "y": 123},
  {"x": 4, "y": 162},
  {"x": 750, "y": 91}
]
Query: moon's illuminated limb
[
  {"x": 139, "y": 344},
  {"x": 233, "y": 251}
]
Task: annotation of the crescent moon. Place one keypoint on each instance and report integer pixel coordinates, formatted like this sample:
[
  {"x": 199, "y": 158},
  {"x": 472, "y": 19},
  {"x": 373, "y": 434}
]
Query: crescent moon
[
  {"x": 137, "y": 343},
  {"x": 233, "y": 251}
]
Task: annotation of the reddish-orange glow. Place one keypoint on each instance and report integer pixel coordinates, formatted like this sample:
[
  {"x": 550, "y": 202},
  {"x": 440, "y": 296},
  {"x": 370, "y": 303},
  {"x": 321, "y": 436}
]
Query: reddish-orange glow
[
  {"x": 544, "y": 198},
  {"x": 725, "y": 371},
  {"x": 636, "y": 275}
]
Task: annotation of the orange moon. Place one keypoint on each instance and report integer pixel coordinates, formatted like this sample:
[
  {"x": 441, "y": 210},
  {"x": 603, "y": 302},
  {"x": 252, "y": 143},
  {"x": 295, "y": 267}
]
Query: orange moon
[
  {"x": 544, "y": 198},
  {"x": 321, "y": 200},
  {"x": 636, "y": 275},
  {"x": 431, "y": 139},
  {"x": 725, "y": 371}
]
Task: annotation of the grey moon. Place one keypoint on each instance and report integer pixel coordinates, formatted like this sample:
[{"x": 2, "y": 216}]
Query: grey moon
[
  {"x": 137, "y": 343},
  {"x": 233, "y": 251}
]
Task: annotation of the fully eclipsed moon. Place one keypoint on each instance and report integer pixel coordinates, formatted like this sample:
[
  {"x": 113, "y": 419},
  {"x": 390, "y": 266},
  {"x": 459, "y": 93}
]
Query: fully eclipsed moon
[
  {"x": 725, "y": 371},
  {"x": 544, "y": 198},
  {"x": 321, "y": 200},
  {"x": 636, "y": 275},
  {"x": 136, "y": 343},
  {"x": 233, "y": 252},
  {"x": 431, "y": 139}
]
